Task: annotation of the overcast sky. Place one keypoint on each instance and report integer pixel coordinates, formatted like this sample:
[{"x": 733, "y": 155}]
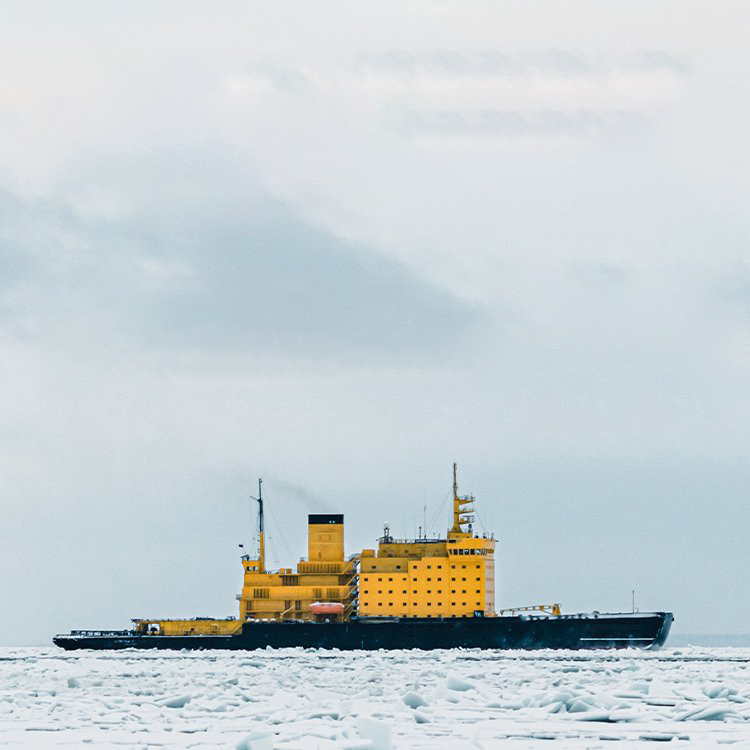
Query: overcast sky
[{"x": 341, "y": 245}]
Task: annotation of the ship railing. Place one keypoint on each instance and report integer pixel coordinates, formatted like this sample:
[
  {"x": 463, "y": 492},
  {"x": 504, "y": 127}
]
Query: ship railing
[
  {"x": 550, "y": 609},
  {"x": 420, "y": 540}
]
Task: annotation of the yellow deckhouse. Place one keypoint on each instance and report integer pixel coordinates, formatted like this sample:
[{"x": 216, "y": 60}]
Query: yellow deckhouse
[
  {"x": 451, "y": 577},
  {"x": 325, "y": 576}
]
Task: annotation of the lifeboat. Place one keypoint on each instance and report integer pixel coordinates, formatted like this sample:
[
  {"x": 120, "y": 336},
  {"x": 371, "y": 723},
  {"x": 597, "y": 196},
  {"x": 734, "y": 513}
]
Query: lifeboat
[{"x": 327, "y": 608}]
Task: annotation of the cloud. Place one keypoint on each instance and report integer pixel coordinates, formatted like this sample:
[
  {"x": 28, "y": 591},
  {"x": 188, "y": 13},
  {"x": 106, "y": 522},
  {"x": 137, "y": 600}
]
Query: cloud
[
  {"x": 253, "y": 279},
  {"x": 510, "y": 123},
  {"x": 498, "y": 63}
]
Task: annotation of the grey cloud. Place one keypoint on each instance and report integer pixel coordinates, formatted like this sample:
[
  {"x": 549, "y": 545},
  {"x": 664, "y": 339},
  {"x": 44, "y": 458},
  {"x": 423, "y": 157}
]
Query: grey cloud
[
  {"x": 280, "y": 76},
  {"x": 497, "y": 63},
  {"x": 491, "y": 123},
  {"x": 254, "y": 279}
]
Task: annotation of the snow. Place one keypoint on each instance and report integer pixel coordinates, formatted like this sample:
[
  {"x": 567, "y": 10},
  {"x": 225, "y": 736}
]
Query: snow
[{"x": 292, "y": 699}]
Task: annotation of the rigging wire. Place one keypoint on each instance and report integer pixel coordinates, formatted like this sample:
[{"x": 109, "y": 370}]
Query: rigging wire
[
  {"x": 281, "y": 533},
  {"x": 440, "y": 509}
]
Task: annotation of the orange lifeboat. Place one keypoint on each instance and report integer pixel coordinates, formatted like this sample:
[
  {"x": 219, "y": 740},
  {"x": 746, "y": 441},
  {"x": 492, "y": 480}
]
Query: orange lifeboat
[{"x": 327, "y": 608}]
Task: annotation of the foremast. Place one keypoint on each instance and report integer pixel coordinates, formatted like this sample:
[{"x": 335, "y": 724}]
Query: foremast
[
  {"x": 462, "y": 516},
  {"x": 261, "y": 532}
]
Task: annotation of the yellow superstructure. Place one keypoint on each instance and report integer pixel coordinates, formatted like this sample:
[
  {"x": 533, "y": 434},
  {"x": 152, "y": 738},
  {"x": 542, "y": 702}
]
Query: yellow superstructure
[
  {"x": 451, "y": 577},
  {"x": 325, "y": 576}
]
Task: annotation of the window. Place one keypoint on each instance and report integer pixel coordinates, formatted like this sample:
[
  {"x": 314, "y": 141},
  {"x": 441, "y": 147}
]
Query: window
[
  {"x": 440, "y": 579},
  {"x": 404, "y": 604},
  {"x": 365, "y": 591},
  {"x": 415, "y": 591},
  {"x": 463, "y": 591},
  {"x": 478, "y": 578},
  {"x": 380, "y": 592},
  {"x": 428, "y": 591},
  {"x": 463, "y": 579},
  {"x": 390, "y": 604},
  {"x": 453, "y": 591},
  {"x": 453, "y": 566},
  {"x": 380, "y": 579},
  {"x": 429, "y": 566},
  {"x": 429, "y": 579},
  {"x": 463, "y": 566},
  {"x": 390, "y": 579},
  {"x": 439, "y": 567},
  {"x": 390, "y": 591},
  {"x": 429, "y": 604},
  {"x": 380, "y": 604},
  {"x": 478, "y": 591},
  {"x": 453, "y": 579}
]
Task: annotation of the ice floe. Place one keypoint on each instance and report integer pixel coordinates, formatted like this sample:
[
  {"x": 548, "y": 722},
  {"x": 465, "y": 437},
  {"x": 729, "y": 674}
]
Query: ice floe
[{"x": 293, "y": 699}]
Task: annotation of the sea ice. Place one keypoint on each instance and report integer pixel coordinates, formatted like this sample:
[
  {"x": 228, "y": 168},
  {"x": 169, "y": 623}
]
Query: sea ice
[{"x": 295, "y": 699}]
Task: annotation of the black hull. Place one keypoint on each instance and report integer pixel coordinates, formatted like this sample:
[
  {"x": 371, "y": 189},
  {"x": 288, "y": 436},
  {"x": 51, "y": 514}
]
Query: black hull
[{"x": 639, "y": 630}]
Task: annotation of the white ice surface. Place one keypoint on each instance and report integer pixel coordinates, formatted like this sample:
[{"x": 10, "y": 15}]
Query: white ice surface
[{"x": 296, "y": 699}]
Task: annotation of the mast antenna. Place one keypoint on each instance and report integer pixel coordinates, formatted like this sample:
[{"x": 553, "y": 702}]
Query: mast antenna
[{"x": 261, "y": 535}]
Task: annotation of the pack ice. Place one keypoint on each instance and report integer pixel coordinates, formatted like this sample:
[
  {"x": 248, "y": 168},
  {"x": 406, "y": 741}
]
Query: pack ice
[{"x": 309, "y": 700}]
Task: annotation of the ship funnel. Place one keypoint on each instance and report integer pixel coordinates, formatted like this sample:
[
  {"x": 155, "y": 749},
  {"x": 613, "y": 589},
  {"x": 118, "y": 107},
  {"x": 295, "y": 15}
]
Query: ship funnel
[{"x": 325, "y": 537}]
